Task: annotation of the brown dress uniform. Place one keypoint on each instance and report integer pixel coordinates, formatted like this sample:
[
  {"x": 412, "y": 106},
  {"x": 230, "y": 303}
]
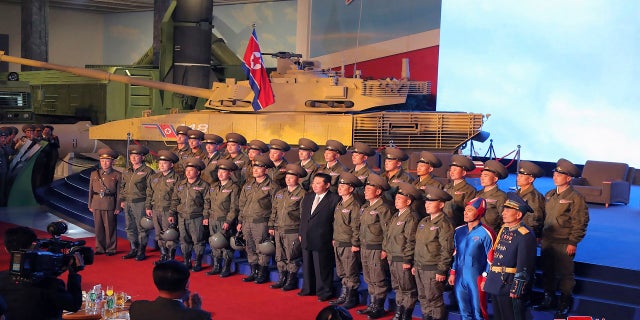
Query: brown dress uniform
[{"x": 104, "y": 191}]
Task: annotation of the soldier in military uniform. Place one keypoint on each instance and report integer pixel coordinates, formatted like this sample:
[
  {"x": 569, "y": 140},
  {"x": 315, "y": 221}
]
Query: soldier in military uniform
[
  {"x": 375, "y": 216},
  {"x": 565, "y": 225},
  {"x": 434, "y": 249},
  {"x": 211, "y": 144},
  {"x": 235, "y": 142},
  {"x": 513, "y": 262},
  {"x": 461, "y": 191},
  {"x": 527, "y": 174},
  {"x": 399, "y": 248},
  {"x": 332, "y": 151},
  {"x": 27, "y": 131},
  {"x": 104, "y": 202},
  {"x": 359, "y": 156},
  {"x": 284, "y": 225},
  {"x": 393, "y": 171},
  {"x": 255, "y": 210},
  {"x": 189, "y": 203},
  {"x": 195, "y": 144},
  {"x": 133, "y": 194},
  {"x": 306, "y": 148},
  {"x": 158, "y": 202},
  {"x": 224, "y": 194},
  {"x": 181, "y": 149},
  {"x": 346, "y": 241},
  {"x": 426, "y": 163},
  {"x": 492, "y": 172},
  {"x": 256, "y": 147},
  {"x": 277, "y": 150},
  {"x": 473, "y": 243}
]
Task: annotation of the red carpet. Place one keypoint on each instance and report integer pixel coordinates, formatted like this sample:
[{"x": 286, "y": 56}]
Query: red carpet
[{"x": 227, "y": 298}]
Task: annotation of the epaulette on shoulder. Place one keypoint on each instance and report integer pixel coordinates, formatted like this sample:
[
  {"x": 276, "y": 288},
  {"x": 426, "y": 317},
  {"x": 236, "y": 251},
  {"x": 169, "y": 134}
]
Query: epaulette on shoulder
[{"x": 523, "y": 230}]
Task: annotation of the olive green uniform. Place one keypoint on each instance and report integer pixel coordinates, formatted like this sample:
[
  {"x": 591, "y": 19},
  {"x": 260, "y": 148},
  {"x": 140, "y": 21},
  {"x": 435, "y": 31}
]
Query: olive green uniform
[
  {"x": 374, "y": 221},
  {"x": 362, "y": 174},
  {"x": 278, "y": 173},
  {"x": 311, "y": 167},
  {"x": 241, "y": 160},
  {"x": 133, "y": 192},
  {"x": 394, "y": 180},
  {"x": 255, "y": 210},
  {"x": 495, "y": 200},
  {"x": 334, "y": 172},
  {"x": 346, "y": 234},
  {"x": 224, "y": 209},
  {"x": 462, "y": 192},
  {"x": 535, "y": 219},
  {"x": 159, "y": 192},
  {"x": 189, "y": 203},
  {"x": 199, "y": 153},
  {"x": 104, "y": 198},
  {"x": 285, "y": 221},
  {"x": 434, "y": 252},
  {"x": 399, "y": 244},
  {"x": 182, "y": 154},
  {"x": 210, "y": 172}
]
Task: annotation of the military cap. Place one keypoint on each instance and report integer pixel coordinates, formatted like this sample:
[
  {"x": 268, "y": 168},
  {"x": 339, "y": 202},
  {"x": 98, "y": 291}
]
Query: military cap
[
  {"x": 28, "y": 127},
  {"x": 258, "y": 145},
  {"x": 350, "y": 179},
  {"x": 396, "y": 154},
  {"x": 378, "y": 181},
  {"x": 50, "y": 127},
  {"x": 497, "y": 168},
  {"x": 409, "y": 190},
  {"x": 296, "y": 170},
  {"x": 4, "y": 132},
  {"x": 262, "y": 160},
  {"x": 515, "y": 202},
  {"x": 226, "y": 164},
  {"x": 138, "y": 149},
  {"x": 531, "y": 169},
  {"x": 336, "y": 146},
  {"x": 458, "y": 160},
  {"x": 212, "y": 138},
  {"x": 195, "y": 163},
  {"x": 307, "y": 144},
  {"x": 363, "y": 148},
  {"x": 430, "y": 159},
  {"x": 182, "y": 130},
  {"x": 436, "y": 194},
  {"x": 565, "y": 166},
  {"x": 279, "y": 145},
  {"x": 167, "y": 155},
  {"x": 195, "y": 134},
  {"x": 237, "y": 138},
  {"x": 106, "y": 153}
]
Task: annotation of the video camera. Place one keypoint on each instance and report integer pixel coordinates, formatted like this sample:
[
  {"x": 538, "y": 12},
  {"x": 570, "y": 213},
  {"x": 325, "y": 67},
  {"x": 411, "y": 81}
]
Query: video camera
[{"x": 48, "y": 258}]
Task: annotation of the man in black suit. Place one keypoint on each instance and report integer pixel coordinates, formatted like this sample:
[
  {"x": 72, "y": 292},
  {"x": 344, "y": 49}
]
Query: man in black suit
[
  {"x": 316, "y": 233},
  {"x": 172, "y": 280}
]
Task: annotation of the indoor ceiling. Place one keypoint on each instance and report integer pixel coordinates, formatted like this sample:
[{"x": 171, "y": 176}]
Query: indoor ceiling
[{"x": 115, "y": 6}]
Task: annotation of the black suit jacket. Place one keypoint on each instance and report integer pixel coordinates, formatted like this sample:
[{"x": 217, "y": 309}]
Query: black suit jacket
[
  {"x": 163, "y": 308},
  {"x": 317, "y": 229}
]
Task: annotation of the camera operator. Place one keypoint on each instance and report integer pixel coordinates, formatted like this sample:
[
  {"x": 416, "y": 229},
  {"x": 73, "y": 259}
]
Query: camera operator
[{"x": 43, "y": 299}]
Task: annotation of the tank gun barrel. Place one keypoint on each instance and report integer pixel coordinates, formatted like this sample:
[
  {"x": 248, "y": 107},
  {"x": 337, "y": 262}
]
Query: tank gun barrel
[
  {"x": 284, "y": 55},
  {"x": 106, "y": 76}
]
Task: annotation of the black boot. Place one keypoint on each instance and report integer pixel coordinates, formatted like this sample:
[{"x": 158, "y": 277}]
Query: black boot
[
  {"x": 217, "y": 266},
  {"x": 132, "y": 254},
  {"x": 141, "y": 253},
  {"x": 226, "y": 268},
  {"x": 408, "y": 314},
  {"x": 399, "y": 313},
  {"x": 341, "y": 299},
  {"x": 198, "y": 266},
  {"x": 565, "y": 305},
  {"x": 282, "y": 279},
  {"x": 377, "y": 310},
  {"x": 548, "y": 303},
  {"x": 252, "y": 276},
  {"x": 368, "y": 309},
  {"x": 172, "y": 254},
  {"x": 263, "y": 275},
  {"x": 187, "y": 262},
  {"x": 292, "y": 282},
  {"x": 353, "y": 299}
]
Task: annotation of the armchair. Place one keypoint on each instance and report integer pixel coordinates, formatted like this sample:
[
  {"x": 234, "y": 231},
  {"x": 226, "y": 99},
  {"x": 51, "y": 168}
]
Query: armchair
[{"x": 604, "y": 182}]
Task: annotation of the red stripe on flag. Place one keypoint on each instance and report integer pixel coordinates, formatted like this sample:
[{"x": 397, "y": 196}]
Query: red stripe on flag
[{"x": 253, "y": 65}]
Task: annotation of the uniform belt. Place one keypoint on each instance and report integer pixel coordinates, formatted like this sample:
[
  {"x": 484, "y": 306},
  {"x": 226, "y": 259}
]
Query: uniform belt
[
  {"x": 260, "y": 220},
  {"x": 343, "y": 244},
  {"x": 105, "y": 194},
  {"x": 373, "y": 246},
  {"x": 290, "y": 231},
  {"x": 429, "y": 267},
  {"x": 137, "y": 200},
  {"x": 397, "y": 259},
  {"x": 503, "y": 269}
]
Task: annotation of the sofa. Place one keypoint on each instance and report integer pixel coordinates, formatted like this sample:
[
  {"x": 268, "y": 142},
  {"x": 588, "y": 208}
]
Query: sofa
[{"x": 604, "y": 182}]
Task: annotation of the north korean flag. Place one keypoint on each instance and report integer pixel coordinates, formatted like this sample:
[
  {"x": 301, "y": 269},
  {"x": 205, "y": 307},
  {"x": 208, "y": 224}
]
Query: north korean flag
[{"x": 257, "y": 74}]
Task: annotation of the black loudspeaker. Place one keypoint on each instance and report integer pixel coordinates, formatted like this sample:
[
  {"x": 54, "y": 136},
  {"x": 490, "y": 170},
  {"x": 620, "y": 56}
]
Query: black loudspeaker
[
  {"x": 192, "y": 44},
  {"x": 193, "y": 11}
]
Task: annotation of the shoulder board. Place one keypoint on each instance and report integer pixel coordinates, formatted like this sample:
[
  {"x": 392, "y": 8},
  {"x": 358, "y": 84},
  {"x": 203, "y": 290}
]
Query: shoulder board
[{"x": 523, "y": 230}]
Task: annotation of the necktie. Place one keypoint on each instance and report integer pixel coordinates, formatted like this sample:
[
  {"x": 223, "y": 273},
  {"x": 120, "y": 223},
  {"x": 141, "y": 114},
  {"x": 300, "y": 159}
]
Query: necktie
[{"x": 315, "y": 203}]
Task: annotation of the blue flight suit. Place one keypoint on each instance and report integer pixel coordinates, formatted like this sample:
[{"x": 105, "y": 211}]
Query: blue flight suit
[{"x": 470, "y": 260}]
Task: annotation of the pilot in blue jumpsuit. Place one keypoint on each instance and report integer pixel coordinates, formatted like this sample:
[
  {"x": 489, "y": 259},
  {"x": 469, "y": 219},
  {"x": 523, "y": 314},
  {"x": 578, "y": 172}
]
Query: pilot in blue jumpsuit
[
  {"x": 473, "y": 247},
  {"x": 514, "y": 259}
]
